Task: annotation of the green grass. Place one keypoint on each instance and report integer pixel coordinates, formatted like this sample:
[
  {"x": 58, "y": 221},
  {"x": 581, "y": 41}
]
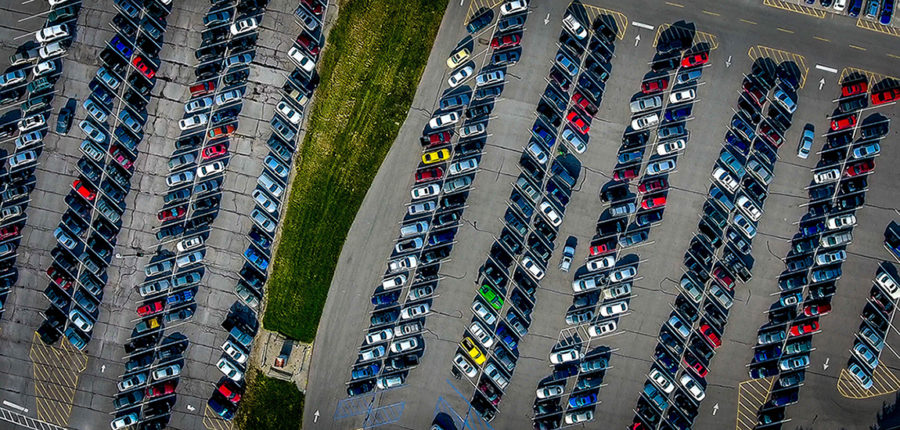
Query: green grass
[
  {"x": 270, "y": 403},
  {"x": 376, "y": 54}
]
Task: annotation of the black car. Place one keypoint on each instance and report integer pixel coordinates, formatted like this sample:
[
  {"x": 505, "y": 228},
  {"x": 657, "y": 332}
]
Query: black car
[
  {"x": 208, "y": 70},
  {"x": 671, "y": 44},
  {"x": 635, "y": 139},
  {"x": 665, "y": 64},
  {"x": 479, "y": 111},
  {"x": 875, "y": 131},
  {"x": 66, "y": 115},
  {"x": 209, "y": 52},
  {"x": 236, "y": 77},
  {"x": 853, "y": 103},
  {"x": 505, "y": 58},
  {"x": 550, "y": 115}
]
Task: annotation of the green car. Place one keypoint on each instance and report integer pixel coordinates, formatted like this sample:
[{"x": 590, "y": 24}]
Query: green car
[{"x": 490, "y": 296}]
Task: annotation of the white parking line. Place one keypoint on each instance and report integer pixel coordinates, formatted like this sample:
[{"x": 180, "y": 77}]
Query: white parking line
[
  {"x": 642, "y": 25},
  {"x": 826, "y": 68}
]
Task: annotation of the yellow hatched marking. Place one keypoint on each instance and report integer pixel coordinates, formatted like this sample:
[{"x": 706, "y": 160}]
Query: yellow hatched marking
[
  {"x": 476, "y": 5},
  {"x": 699, "y": 36},
  {"x": 752, "y": 393},
  {"x": 796, "y": 8},
  {"x": 593, "y": 12},
  {"x": 55, "y": 370},
  {"x": 212, "y": 420},
  {"x": 877, "y": 27},
  {"x": 884, "y": 382},
  {"x": 872, "y": 77},
  {"x": 780, "y": 56}
]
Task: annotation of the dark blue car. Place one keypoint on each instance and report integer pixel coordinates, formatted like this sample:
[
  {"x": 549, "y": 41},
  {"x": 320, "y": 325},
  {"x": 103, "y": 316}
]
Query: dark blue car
[
  {"x": 545, "y": 136},
  {"x": 365, "y": 372},
  {"x": 886, "y": 11},
  {"x": 737, "y": 142},
  {"x": 768, "y": 354},
  {"x": 811, "y": 230},
  {"x": 679, "y": 113},
  {"x": 386, "y": 299},
  {"x": 582, "y": 401},
  {"x": 121, "y": 46}
]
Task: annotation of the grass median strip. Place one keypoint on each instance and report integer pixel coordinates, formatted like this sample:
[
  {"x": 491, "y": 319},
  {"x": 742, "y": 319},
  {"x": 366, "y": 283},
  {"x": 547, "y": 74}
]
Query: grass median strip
[
  {"x": 270, "y": 404},
  {"x": 376, "y": 54}
]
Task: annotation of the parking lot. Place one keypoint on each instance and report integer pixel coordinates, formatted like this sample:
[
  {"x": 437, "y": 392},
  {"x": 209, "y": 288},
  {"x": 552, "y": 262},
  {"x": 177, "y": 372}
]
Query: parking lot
[{"x": 735, "y": 40}]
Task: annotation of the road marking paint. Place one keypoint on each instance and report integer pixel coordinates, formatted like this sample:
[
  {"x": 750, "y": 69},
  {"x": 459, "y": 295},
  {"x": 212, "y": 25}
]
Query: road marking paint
[
  {"x": 748, "y": 22},
  {"x": 711, "y": 13},
  {"x": 785, "y": 30},
  {"x": 858, "y": 47},
  {"x": 821, "y": 38},
  {"x": 894, "y": 56},
  {"x": 674, "y": 4},
  {"x": 826, "y": 68},
  {"x": 642, "y": 25}
]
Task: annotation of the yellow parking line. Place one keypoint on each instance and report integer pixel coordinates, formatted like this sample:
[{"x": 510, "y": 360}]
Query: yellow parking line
[
  {"x": 620, "y": 19},
  {"x": 894, "y": 56},
  {"x": 711, "y": 13},
  {"x": 821, "y": 38},
  {"x": 785, "y": 30},
  {"x": 877, "y": 27},
  {"x": 674, "y": 4},
  {"x": 748, "y": 22},
  {"x": 873, "y": 77},
  {"x": 858, "y": 47},
  {"x": 808, "y": 11}
]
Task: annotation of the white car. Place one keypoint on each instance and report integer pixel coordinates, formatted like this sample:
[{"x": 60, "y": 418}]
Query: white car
[
  {"x": 600, "y": 329},
  {"x": 463, "y": 364},
  {"x": 645, "y": 121},
  {"x": 840, "y": 221},
  {"x": 379, "y": 336},
  {"x": 660, "y": 167},
  {"x": 234, "y": 351},
  {"x": 481, "y": 334},
  {"x": 291, "y": 114},
  {"x": 124, "y": 421},
  {"x": 839, "y": 5},
  {"x": 166, "y": 372},
  {"x": 622, "y": 274},
  {"x": 44, "y": 68},
  {"x": 748, "y": 208},
  {"x": 463, "y": 166},
  {"x": 575, "y": 27},
  {"x": 513, "y": 7},
  {"x": 565, "y": 356},
  {"x": 614, "y": 309},
  {"x": 193, "y": 121},
  {"x": 550, "y": 213},
  {"x": 444, "y": 120},
  {"x": 132, "y": 381},
  {"x": 831, "y": 257},
  {"x": 403, "y": 263},
  {"x": 472, "y": 130},
  {"x": 579, "y": 416},
  {"x": 829, "y": 175},
  {"x": 415, "y": 311},
  {"x": 488, "y": 78},
  {"x": 370, "y": 354},
  {"x": 671, "y": 147},
  {"x": 229, "y": 370},
  {"x": 264, "y": 201},
  {"x": 692, "y": 387},
  {"x": 51, "y": 50},
  {"x": 532, "y": 267},
  {"x": 574, "y": 141},
  {"x": 198, "y": 104},
  {"x": 245, "y": 25},
  {"x": 537, "y": 152},
  {"x": 303, "y": 61},
  {"x": 483, "y": 312},
  {"x": 50, "y": 34},
  {"x": 189, "y": 243},
  {"x": 404, "y": 345},
  {"x": 460, "y": 76},
  {"x": 81, "y": 320},
  {"x": 550, "y": 391},
  {"x": 391, "y": 381},
  {"x": 725, "y": 179},
  {"x": 210, "y": 169},
  {"x": 35, "y": 121},
  {"x": 645, "y": 103},
  {"x": 888, "y": 284},
  {"x": 394, "y": 282},
  {"x": 621, "y": 290},
  {"x": 605, "y": 262},
  {"x": 425, "y": 191},
  {"x": 682, "y": 96},
  {"x": 422, "y": 207},
  {"x": 229, "y": 96},
  {"x": 662, "y": 381}
]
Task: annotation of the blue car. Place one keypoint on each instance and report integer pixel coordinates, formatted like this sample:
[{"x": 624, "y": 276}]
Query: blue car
[
  {"x": 736, "y": 142},
  {"x": 180, "y": 297},
  {"x": 629, "y": 157},
  {"x": 741, "y": 126},
  {"x": 545, "y": 136},
  {"x": 386, "y": 299},
  {"x": 886, "y": 11},
  {"x": 679, "y": 113},
  {"x": 220, "y": 409},
  {"x": 365, "y": 372},
  {"x": 259, "y": 240},
  {"x": 261, "y": 262},
  {"x": 120, "y": 46},
  {"x": 812, "y": 230},
  {"x": 872, "y": 9},
  {"x": 582, "y": 401},
  {"x": 768, "y": 354},
  {"x": 504, "y": 336}
]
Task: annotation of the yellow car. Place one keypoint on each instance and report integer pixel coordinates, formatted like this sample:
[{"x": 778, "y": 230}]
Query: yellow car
[
  {"x": 435, "y": 156},
  {"x": 457, "y": 58},
  {"x": 469, "y": 346}
]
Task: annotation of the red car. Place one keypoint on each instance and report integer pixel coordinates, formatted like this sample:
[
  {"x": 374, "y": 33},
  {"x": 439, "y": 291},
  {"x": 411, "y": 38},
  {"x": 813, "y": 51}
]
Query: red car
[
  {"x": 625, "y": 174},
  {"x": 723, "y": 278},
  {"x": 653, "y": 202},
  {"x": 843, "y": 122},
  {"x": 860, "y": 168},
  {"x": 83, "y": 190},
  {"x": 582, "y": 102},
  {"x": 695, "y": 60},
  {"x": 771, "y": 134},
  {"x": 221, "y": 131},
  {"x": 143, "y": 67},
  {"x": 8, "y": 232},
  {"x": 307, "y": 42},
  {"x": 885, "y": 96},
  {"x": 438, "y": 138},
  {"x": 120, "y": 157},
  {"x": 429, "y": 175},
  {"x": 214, "y": 151},
  {"x": 171, "y": 214},
  {"x": 655, "y": 85},
  {"x": 230, "y": 391},
  {"x": 854, "y": 88},
  {"x": 162, "y": 389},
  {"x": 203, "y": 88},
  {"x": 653, "y": 185},
  {"x": 314, "y": 6},
  {"x": 58, "y": 278},
  {"x": 756, "y": 94},
  {"x": 603, "y": 248},
  {"x": 695, "y": 365},
  {"x": 711, "y": 337},
  {"x": 578, "y": 122},
  {"x": 816, "y": 310},
  {"x": 505, "y": 41},
  {"x": 799, "y": 330},
  {"x": 150, "y": 308}
]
